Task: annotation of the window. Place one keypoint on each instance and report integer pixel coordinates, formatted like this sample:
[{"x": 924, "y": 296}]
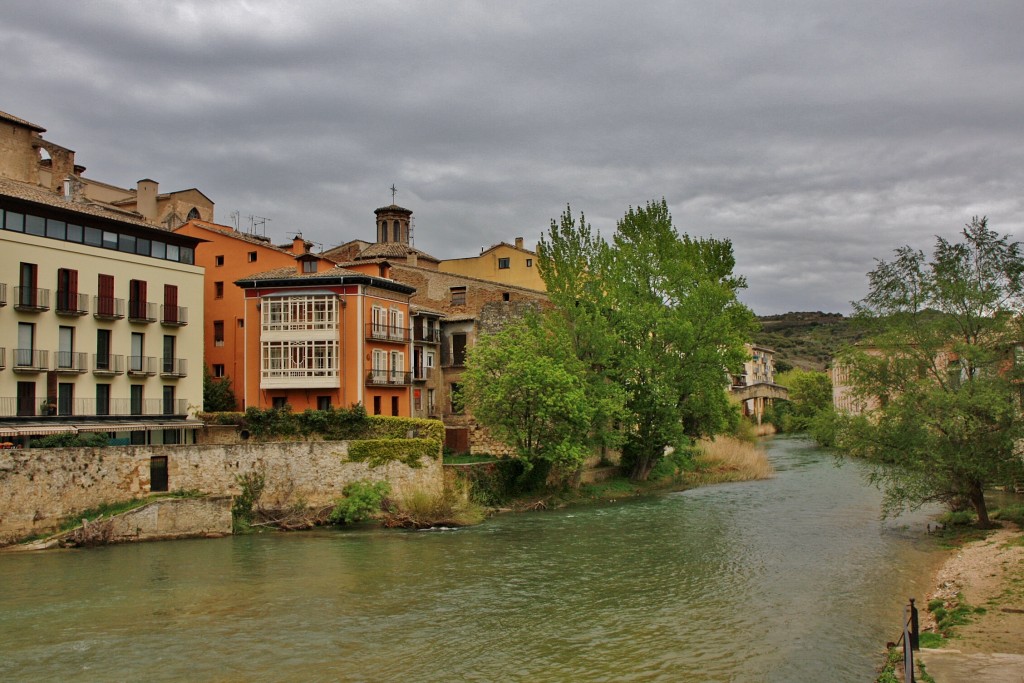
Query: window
[
  {"x": 300, "y": 358},
  {"x": 66, "y": 347},
  {"x": 34, "y": 225},
  {"x": 170, "y": 314},
  {"x": 379, "y": 317},
  {"x": 26, "y": 399},
  {"x": 135, "y": 361},
  {"x": 105, "y": 300},
  {"x": 503, "y": 263},
  {"x": 397, "y": 367},
  {"x": 397, "y": 319},
  {"x": 319, "y": 312},
  {"x": 459, "y": 348},
  {"x": 65, "y": 398},
  {"x": 253, "y": 256},
  {"x": 218, "y": 290},
  {"x": 56, "y": 229},
  {"x": 384, "y": 231},
  {"x": 428, "y": 359},
  {"x": 394, "y": 406},
  {"x": 456, "y": 392},
  {"x": 218, "y": 333},
  {"x": 27, "y": 294},
  {"x": 308, "y": 266},
  {"x": 279, "y": 402},
  {"x": 505, "y": 296},
  {"x": 218, "y": 370},
  {"x": 24, "y": 355},
  {"x": 241, "y": 322},
  {"x": 397, "y": 231},
  {"x": 529, "y": 263},
  {"x": 379, "y": 368},
  {"x": 193, "y": 214},
  {"x": 103, "y": 399},
  {"x": 458, "y": 296},
  {"x": 430, "y": 402},
  {"x": 417, "y": 400},
  {"x": 158, "y": 473},
  {"x": 169, "y": 360},
  {"x": 168, "y": 402},
  {"x": 323, "y": 402},
  {"x": 137, "y": 299},
  {"x": 136, "y": 399},
  {"x": 376, "y": 405},
  {"x": 218, "y": 260},
  {"x": 103, "y": 360},
  {"x": 67, "y": 290}
]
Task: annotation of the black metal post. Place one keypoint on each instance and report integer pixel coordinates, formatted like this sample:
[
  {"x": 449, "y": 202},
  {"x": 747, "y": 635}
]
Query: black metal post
[{"x": 915, "y": 629}]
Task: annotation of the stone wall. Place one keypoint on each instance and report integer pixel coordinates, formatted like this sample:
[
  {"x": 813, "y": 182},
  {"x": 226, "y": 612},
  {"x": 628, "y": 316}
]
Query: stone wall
[{"x": 39, "y": 487}]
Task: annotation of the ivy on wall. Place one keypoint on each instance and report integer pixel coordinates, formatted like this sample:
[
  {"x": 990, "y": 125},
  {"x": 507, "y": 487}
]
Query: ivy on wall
[{"x": 376, "y": 452}]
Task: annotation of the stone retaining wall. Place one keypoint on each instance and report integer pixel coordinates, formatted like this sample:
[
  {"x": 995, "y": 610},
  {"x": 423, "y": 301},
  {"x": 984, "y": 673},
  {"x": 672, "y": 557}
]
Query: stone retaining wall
[{"x": 39, "y": 487}]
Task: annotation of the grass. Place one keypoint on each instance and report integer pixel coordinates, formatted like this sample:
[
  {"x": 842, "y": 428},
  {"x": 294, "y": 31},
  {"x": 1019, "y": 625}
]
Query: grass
[
  {"x": 467, "y": 459},
  {"x": 955, "y": 613},
  {"x": 423, "y": 509},
  {"x": 728, "y": 459}
]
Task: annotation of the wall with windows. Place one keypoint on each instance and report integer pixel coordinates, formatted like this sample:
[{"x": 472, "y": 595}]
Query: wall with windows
[
  {"x": 88, "y": 330},
  {"x": 502, "y": 263}
]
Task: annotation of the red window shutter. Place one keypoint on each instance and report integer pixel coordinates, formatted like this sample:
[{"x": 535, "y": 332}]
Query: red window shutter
[
  {"x": 171, "y": 303},
  {"x": 73, "y": 287},
  {"x": 105, "y": 304}
]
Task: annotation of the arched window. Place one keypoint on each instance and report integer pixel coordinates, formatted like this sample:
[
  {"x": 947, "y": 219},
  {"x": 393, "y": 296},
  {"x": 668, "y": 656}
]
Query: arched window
[
  {"x": 398, "y": 232},
  {"x": 193, "y": 215},
  {"x": 383, "y": 231}
]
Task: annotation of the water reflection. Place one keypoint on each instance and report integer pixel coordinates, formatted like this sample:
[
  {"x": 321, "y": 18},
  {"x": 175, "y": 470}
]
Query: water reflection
[{"x": 781, "y": 580}]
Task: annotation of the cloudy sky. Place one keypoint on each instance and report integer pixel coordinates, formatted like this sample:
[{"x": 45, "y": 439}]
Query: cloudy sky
[{"x": 817, "y": 136}]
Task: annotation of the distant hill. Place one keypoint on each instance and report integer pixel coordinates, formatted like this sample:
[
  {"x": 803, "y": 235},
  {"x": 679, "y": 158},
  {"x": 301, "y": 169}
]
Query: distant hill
[{"x": 805, "y": 340}]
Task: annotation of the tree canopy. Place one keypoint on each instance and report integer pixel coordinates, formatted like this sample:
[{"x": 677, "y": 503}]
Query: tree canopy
[{"x": 940, "y": 370}]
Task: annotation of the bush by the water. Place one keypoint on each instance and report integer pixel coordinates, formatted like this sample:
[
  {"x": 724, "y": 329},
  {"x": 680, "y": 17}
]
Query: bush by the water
[
  {"x": 495, "y": 483},
  {"x": 453, "y": 506},
  {"x": 361, "y": 500}
]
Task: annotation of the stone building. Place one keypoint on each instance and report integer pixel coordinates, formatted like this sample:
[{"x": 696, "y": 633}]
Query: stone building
[{"x": 503, "y": 263}]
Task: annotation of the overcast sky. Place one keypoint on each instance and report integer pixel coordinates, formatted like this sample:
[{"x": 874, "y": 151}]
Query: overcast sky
[{"x": 817, "y": 136}]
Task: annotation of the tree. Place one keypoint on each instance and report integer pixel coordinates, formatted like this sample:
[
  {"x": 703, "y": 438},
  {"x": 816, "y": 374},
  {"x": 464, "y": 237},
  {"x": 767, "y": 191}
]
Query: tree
[
  {"x": 654, "y": 314},
  {"x": 810, "y": 393},
  {"x": 522, "y": 384},
  {"x": 217, "y": 393},
  {"x": 939, "y": 373}
]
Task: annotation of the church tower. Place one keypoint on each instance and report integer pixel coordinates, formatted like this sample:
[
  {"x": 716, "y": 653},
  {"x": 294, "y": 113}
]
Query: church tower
[{"x": 393, "y": 224}]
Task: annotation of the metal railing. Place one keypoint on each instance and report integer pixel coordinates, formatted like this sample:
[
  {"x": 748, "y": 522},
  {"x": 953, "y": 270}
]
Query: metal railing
[
  {"x": 173, "y": 315},
  {"x": 70, "y": 361},
  {"x": 30, "y": 360},
  {"x": 71, "y": 304},
  {"x": 391, "y": 333},
  {"x": 3, "y": 294},
  {"x": 107, "y": 308},
  {"x": 388, "y": 378},
  {"x": 31, "y": 299},
  {"x": 141, "y": 311},
  {"x": 174, "y": 367},
  {"x": 141, "y": 365},
  {"x": 89, "y": 407},
  {"x": 3, "y": 358},
  {"x": 107, "y": 364},
  {"x": 431, "y": 336}
]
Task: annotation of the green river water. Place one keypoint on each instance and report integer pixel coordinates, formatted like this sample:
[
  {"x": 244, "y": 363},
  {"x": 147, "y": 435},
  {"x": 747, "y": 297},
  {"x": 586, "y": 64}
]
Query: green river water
[{"x": 793, "y": 579}]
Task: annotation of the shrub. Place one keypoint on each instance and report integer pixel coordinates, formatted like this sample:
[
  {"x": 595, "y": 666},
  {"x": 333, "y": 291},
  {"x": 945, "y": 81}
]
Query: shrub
[
  {"x": 244, "y": 505},
  {"x": 362, "y": 500},
  {"x": 84, "y": 440},
  {"x": 453, "y": 506}
]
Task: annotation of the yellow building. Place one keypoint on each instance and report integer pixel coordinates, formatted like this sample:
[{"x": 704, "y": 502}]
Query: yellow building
[{"x": 504, "y": 263}]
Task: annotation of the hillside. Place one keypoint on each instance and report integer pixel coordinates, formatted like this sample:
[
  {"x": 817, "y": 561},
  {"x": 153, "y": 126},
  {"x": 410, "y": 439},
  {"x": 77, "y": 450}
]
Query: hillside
[{"x": 805, "y": 340}]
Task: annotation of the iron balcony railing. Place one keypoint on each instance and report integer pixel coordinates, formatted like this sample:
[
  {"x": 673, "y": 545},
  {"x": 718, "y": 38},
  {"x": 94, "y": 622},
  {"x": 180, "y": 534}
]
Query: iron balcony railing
[
  {"x": 89, "y": 407},
  {"x": 107, "y": 308},
  {"x": 31, "y": 299},
  {"x": 141, "y": 365},
  {"x": 107, "y": 364},
  {"x": 141, "y": 311},
  {"x": 30, "y": 360},
  {"x": 72, "y": 304},
  {"x": 379, "y": 332},
  {"x": 388, "y": 378},
  {"x": 70, "y": 361},
  {"x": 422, "y": 374},
  {"x": 3, "y": 294},
  {"x": 173, "y": 315},
  {"x": 174, "y": 367},
  {"x": 432, "y": 336}
]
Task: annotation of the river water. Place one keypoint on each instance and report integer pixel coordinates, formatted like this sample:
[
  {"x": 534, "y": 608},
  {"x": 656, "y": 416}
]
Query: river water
[{"x": 793, "y": 579}]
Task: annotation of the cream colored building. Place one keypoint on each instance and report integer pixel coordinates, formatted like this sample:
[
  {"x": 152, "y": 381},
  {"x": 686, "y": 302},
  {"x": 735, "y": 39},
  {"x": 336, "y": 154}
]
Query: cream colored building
[
  {"x": 503, "y": 263},
  {"x": 101, "y": 308}
]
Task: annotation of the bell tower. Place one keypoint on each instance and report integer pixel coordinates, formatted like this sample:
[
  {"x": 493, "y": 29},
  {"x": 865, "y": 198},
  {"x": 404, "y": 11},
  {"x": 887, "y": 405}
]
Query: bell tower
[{"x": 393, "y": 224}]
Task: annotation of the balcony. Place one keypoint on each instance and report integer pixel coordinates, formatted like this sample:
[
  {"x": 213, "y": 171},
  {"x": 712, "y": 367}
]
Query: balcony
[
  {"x": 71, "y": 304},
  {"x": 174, "y": 316},
  {"x": 141, "y": 366},
  {"x": 29, "y": 360},
  {"x": 70, "y": 362},
  {"x": 428, "y": 336},
  {"x": 174, "y": 367},
  {"x": 107, "y": 308},
  {"x": 141, "y": 311},
  {"x": 107, "y": 364},
  {"x": 422, "y": 374},
  {"x": 31, "y": 299},
  {"x": 3, "y": 294},
  {"x": 3, "y": 358},
  {"x": 387, "y": 333},
  {"x": 388, "y": 378},
  {"x": 90, "y": 407}
]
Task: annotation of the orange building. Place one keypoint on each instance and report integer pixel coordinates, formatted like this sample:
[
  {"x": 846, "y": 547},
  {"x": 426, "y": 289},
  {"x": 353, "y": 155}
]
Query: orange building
[
  {"x": 327, "y": 339},
  {"x": 228, "y": 255}
]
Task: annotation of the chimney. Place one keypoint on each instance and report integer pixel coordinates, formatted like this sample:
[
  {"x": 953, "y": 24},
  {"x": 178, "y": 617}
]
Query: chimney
[
  {"x": 145, "y": 199},
  {"x": 299, "y": 245},
  {"x": 412, "y": 258},
  {"x": 519, "y": 243}
]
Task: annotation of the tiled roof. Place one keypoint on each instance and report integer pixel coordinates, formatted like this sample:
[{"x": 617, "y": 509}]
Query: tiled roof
[
  {"x": 393, "y": 250},
  {"x": 459, "y": 317},
  {"x": 40, "y": 195},
  {"x": 228, "y": 231},
  {"x": 291, "y": 272},
  {"x": 4, "y": 116},
  {"x": 393, "y": 207},
  {"x": 416, "y": 308}
]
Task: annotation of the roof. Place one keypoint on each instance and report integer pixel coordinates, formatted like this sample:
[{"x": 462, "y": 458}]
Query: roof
[
  {"x": 4, "y": 116},
  {"x": 42, "y": 196},
  {"x": 458, "y": 276},
  {"x": 392, "y": 250},
  {"x": 228, "y": 231},
  {"x": 287, "y": 275},
  {"x": 459, "y": 317},
  {"x": 416, "y": 308},
  {"x": 393, "y": 208}
]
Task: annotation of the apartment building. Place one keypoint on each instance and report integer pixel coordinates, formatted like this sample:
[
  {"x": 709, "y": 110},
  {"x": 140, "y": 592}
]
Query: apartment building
[{"x": 503, "y": 263}]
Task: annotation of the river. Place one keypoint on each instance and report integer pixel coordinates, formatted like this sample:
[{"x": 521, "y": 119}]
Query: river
[{"x": 792, "y": 579}]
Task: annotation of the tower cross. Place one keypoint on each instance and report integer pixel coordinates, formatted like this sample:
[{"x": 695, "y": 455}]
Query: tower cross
[{"x": 393, "y": 192}]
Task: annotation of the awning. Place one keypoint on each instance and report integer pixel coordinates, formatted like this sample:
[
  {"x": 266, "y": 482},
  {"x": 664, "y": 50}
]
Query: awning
[
  {"x": 175, "y": 425},
  {"x": 112, "y": 427},
  {"x": 39, "y": 430},
  {"x": 7, "y": 431}
]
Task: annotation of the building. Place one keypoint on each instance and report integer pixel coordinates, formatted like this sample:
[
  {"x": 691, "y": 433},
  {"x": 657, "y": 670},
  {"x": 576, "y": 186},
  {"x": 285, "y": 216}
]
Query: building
[
  {"x": 503, "y": 263},
  {"x": 448, "y": 311},
  {"x": 755, "y": 388},
  {"x": 96, "y": 303},
  {"x": 228, "y": 255},
  {"x": 326, "y": 339}
]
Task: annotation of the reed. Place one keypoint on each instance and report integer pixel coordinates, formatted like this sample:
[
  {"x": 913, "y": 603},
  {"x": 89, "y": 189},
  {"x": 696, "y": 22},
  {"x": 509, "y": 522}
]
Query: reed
[
  {"x": 451, "y": 507},
  {"x": 729, "y": 459}
]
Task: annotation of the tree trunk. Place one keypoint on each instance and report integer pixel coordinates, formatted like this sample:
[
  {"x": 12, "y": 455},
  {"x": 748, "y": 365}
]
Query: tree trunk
[
  {"x": 977, "y": 496},
  {"x": 642, "y": 467}
]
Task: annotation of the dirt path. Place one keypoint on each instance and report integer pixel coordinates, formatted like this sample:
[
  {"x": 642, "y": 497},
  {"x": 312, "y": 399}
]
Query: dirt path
[{"x": 989, "y": 574}]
